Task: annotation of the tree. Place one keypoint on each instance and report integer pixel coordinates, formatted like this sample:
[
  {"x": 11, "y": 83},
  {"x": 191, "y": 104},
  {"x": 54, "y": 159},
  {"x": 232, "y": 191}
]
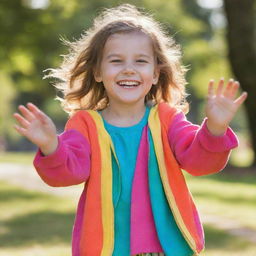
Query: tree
[
  {"x": 242, "y": 54},
  {"x": 34, "y": 46}
]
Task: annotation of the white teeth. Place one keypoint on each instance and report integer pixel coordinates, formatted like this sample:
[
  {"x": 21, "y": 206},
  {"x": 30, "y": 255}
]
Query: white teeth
[{"x": 128, "y": 83}]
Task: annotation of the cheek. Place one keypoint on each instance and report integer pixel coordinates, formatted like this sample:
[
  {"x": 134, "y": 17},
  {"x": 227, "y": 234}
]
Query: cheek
[
  {"x": 110, "y": 71},
  {"x": 149, "y": 73}
]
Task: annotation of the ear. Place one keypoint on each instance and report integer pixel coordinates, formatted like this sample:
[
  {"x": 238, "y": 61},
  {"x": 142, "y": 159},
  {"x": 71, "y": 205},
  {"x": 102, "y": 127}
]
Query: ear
[
  {"x": 156, "y": 75},
  {"x": 97, "y": 76}
]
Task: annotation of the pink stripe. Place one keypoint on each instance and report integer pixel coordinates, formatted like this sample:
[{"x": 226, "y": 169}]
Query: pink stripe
[
  {"x": 76, "y": 234},
  {"x": 143, "y": 232},
  {"x": 200, "y": 243}
]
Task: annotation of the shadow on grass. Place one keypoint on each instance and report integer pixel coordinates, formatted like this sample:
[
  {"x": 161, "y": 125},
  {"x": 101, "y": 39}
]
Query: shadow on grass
[
  {"x": 242, "y": 200},
  {"x": 218, "y": 239},
  {"x": 52, "y": 227},
  {"x": 234, "y": 175},
  {"x": 36, "y": 218},
  {"x": 14, "y": 194},
  {"x": 243, "y": 197},
  {"x": 42, "y": 227}
]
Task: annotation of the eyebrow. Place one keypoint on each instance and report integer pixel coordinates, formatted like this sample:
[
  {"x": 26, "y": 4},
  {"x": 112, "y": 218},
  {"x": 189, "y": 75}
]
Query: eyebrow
[
  {"x": 113, "y": 55},
  {"x": 119, "y": 55}
]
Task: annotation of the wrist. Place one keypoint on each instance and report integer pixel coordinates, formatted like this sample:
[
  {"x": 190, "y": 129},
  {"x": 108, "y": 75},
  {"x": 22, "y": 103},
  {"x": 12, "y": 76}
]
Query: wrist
[
  {"x": 50, "y": 147},
  {"x": 216, "y": 129}
]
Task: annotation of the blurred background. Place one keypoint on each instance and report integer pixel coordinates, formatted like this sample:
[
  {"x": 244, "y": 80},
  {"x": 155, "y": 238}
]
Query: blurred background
[{"x": 217, "y": 39}]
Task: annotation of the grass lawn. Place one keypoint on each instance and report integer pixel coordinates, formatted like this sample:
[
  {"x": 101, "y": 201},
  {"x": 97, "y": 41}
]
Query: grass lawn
[
  {"x": 219, "y": 243},
  {"x": 231, "y": 196},
  {"x": 17, "y": 157},
  {"x": 39, "y": 224},
  {"x": 33, "y": 223}
]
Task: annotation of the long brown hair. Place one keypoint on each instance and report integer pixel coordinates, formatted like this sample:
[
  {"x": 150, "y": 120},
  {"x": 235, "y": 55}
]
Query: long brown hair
[{"x": 76, "y": 74}]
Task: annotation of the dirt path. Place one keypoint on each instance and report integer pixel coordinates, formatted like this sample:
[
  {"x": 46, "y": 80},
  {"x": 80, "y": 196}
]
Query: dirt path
[{"x": 26, "y": 177}]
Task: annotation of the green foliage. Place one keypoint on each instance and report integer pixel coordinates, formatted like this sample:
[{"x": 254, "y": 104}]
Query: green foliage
[
  {"x": 54, "y": 110},
  {"x": 7, "y": 95},
  {"x": 30, "y": 43}
]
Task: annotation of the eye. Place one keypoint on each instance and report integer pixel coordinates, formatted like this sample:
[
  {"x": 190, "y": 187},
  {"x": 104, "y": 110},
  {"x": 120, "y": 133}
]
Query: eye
[
  {"x": 141, "y": 60},
  {"x": 116, "y": 60}
]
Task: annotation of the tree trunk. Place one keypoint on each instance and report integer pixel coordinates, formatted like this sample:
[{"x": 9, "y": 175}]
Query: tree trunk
[{"x": 242, "y": 54}]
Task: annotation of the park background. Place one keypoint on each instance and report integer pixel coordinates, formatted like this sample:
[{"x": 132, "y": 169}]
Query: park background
[{"x": 217, "y": 39}]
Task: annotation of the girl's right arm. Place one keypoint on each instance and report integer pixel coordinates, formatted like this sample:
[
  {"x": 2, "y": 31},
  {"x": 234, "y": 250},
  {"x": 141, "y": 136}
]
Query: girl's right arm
[
  {"x": 61, "y": 160},
  {"x": 37, "y": 127}
]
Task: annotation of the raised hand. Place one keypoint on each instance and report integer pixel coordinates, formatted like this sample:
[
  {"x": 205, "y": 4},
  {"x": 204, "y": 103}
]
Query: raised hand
[
  {"x": 222, "y": 105},
  {"x": 37, "y": 127}
]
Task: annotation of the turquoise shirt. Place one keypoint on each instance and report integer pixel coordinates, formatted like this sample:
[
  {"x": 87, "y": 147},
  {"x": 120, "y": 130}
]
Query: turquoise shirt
[{"x": 126, "y": 142}]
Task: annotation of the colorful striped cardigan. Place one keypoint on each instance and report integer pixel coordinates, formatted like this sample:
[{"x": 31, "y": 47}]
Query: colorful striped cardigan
[{"x": 96, "y": 237}]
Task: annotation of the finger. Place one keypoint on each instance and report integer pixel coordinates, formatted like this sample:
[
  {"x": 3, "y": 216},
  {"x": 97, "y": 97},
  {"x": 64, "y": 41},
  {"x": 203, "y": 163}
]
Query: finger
[
  {"x": 20, "y": 130},
  {"x": 211, "y": 89},
  {"x": 220, "y": 87},
  {"x": 33, "y": 107},
  {"x": 234, "y": 90},
  {"x": 240, "y": 100},
  {"x": 21, "y": 120},
  {"x": 228, "y": 89},
  {"x": 37, "y": 112},
  {"x": 26, "y": 113}
]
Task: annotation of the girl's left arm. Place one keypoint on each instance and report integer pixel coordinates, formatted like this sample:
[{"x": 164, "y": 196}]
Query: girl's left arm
[{"x": 205, "y": 149}]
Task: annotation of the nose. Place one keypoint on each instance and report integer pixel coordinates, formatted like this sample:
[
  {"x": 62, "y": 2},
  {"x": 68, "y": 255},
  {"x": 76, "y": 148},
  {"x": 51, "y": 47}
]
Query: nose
[{"x": 129, "y": 69}]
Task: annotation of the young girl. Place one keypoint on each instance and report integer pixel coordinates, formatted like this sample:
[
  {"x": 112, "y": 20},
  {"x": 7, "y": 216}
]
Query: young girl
[{"x": 128, "y": 139}]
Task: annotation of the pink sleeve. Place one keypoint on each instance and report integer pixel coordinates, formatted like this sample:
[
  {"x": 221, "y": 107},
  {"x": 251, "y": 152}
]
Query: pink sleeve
[
  {"x": 198, "y": 151},
  {"x": 69, "y": 164}
]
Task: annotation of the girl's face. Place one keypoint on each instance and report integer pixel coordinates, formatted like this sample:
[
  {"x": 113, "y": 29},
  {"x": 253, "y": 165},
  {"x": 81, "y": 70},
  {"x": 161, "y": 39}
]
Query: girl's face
[{"x": 128, "y": 68}]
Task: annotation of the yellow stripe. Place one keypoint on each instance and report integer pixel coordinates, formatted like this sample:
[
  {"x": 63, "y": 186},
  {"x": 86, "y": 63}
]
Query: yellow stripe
[
  {"x": 155, "y": 128},
  {"x": 106, "y": 185}
]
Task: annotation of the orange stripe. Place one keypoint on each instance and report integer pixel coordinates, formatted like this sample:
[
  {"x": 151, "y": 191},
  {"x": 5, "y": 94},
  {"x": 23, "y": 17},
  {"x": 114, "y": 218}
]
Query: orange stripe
[
  {"x": 106, "y": 185},
  {"x": 91, "y": 241}
]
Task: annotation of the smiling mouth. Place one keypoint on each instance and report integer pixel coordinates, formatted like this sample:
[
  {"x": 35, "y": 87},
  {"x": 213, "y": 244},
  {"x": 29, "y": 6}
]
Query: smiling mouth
[{"x": 128, "y": 84}]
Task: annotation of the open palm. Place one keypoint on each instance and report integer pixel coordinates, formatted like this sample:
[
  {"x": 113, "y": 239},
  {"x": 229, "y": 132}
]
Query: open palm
[
  {"x": 222, "y": 105},
  {"x": 35, "y": 125}
]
